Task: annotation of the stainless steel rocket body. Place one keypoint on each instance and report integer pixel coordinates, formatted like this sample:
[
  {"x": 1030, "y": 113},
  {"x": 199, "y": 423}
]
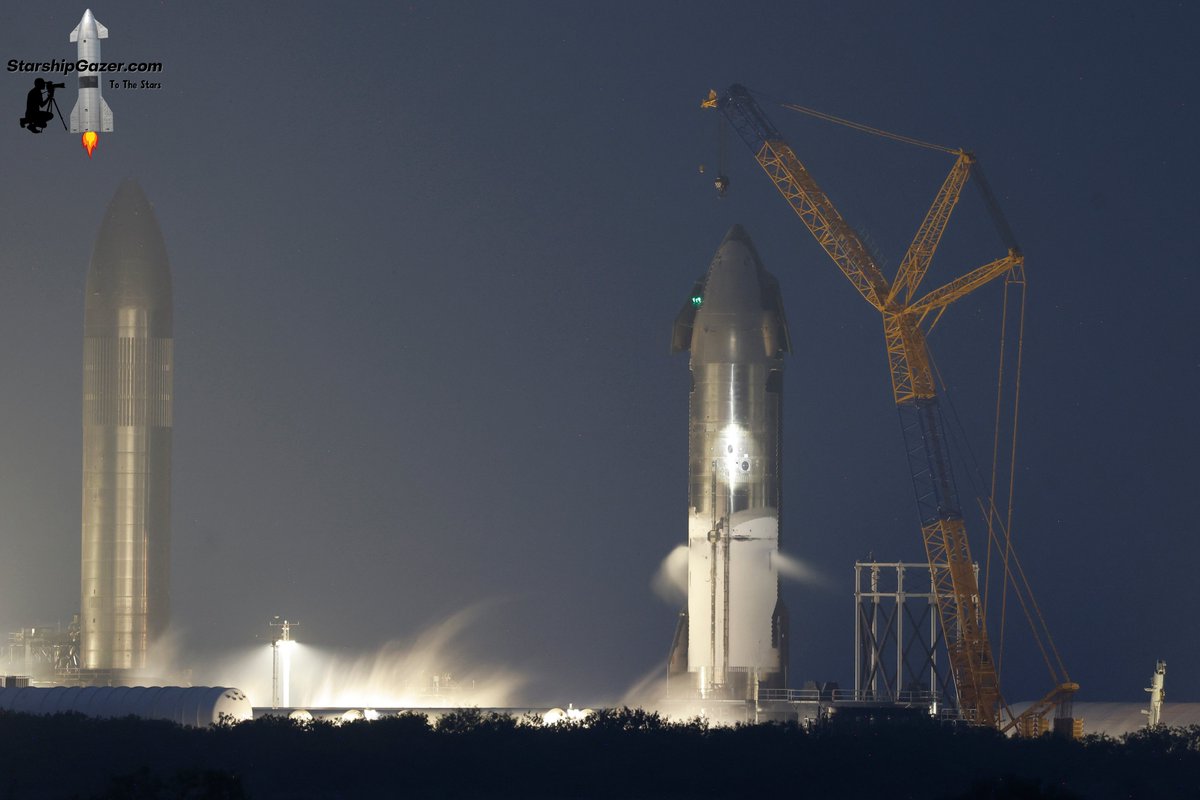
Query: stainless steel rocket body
[
  {"x": 127, "y": 418},
  {"x": 91, "y": 112},
  {"x": 732, "y": 638}
]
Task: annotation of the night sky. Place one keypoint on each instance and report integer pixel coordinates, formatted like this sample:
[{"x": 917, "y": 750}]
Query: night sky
[{"x": 426, "y": 257}]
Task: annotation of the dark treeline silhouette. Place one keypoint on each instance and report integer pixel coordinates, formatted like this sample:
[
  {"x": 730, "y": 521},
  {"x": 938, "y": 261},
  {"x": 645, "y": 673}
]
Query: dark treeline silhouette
[{"x": 617, "y": 754}]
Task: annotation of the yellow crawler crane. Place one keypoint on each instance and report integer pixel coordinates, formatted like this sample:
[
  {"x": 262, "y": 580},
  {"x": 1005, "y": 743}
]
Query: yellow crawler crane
[{"x": 915, "y": 389}]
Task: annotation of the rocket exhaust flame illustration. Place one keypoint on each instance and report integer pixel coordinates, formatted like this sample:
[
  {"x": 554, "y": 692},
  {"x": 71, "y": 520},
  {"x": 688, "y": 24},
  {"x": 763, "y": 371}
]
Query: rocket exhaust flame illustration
[
  {"x": 91, "y": 115},
  {"x": 732, "y": 637}
]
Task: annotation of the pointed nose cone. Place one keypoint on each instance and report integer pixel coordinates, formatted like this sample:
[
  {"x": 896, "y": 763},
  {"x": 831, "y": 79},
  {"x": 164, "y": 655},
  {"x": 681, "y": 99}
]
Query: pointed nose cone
[
  {"x": 732, "y": 287},
  {"x": 129, "y": 273},
  {"x": 738, "y": 311}
]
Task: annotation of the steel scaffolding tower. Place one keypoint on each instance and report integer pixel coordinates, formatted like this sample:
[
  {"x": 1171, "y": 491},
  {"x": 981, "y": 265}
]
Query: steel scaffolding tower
[{"x": 897, "y": 636}]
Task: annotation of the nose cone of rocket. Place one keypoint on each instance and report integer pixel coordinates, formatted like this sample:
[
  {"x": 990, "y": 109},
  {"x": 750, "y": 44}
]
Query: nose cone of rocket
[
  {"x": 87, "y": 27},
  {"x": 129, "y": 272},
  {"x": 733, "y": 287},
  {"x": 735, "y": 313}
]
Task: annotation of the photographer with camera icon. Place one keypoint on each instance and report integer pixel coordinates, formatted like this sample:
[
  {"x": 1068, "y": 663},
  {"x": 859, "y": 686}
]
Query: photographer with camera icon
[{"x": 35, "y": 118}]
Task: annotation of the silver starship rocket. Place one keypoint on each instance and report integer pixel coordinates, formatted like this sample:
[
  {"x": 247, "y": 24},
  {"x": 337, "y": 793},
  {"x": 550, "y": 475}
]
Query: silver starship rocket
[
  {"x": 91, "y": 112},
  {"x": 127, "y": 392},
  {"x": 732, "y": 638}
]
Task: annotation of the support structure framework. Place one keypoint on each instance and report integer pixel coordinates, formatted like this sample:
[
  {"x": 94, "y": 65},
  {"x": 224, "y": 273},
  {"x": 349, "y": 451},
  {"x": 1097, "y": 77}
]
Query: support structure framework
[{"x": 897, "y": 638}]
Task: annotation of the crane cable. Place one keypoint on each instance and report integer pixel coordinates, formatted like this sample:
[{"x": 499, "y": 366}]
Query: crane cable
[
  {"x": 1025, "y": 606},
  {"x": 992, "y": 513},
  {"x": 1029, "y": 606},
  {"x": 1012, "y": 464},
  {"x": 989, "y": 198},
  {"x": 721, "y": 182},
  {"x": 858, "y": 126},
  {"x": 722, "y": 145},
  {"x": 1003, "y": 229},
  {"x": 991, "y": 510},
  {"x": 1006, "y": 526}
]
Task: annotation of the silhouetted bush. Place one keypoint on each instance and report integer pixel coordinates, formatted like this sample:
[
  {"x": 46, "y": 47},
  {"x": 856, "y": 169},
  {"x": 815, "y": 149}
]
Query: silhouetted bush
[
  {"x": 628, "y": 753},
  {"x": 472, "y": 720}
]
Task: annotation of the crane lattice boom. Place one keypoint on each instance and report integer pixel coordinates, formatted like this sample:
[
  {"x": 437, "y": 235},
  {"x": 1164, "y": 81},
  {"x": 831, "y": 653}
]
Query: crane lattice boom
[{"x": 913, "y": 385}]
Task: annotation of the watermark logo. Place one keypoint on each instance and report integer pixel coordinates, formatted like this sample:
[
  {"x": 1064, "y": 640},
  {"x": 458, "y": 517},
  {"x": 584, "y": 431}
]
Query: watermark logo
[{"x": 91, "y": 115}]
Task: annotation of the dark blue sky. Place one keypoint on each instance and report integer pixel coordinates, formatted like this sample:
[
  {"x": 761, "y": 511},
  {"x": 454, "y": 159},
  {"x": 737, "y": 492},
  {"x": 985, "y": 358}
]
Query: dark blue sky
[{"x": 426, "y": 257}]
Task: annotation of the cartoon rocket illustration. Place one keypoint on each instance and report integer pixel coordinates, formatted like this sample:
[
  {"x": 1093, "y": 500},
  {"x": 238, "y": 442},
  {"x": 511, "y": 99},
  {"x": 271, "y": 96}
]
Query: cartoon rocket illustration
[{"x": 91, "y": 115}]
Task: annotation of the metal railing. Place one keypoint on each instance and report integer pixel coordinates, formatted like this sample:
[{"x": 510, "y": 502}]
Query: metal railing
[{"x": 848, "y": 696}]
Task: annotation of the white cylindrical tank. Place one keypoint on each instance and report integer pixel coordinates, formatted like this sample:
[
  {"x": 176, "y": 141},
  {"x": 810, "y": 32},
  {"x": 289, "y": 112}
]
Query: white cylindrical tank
[{"x": 192, "y": 706}]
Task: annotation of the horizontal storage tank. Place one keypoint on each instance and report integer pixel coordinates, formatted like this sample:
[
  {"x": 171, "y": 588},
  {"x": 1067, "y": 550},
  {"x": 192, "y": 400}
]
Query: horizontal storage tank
[{"x": 193, "y": 706}]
